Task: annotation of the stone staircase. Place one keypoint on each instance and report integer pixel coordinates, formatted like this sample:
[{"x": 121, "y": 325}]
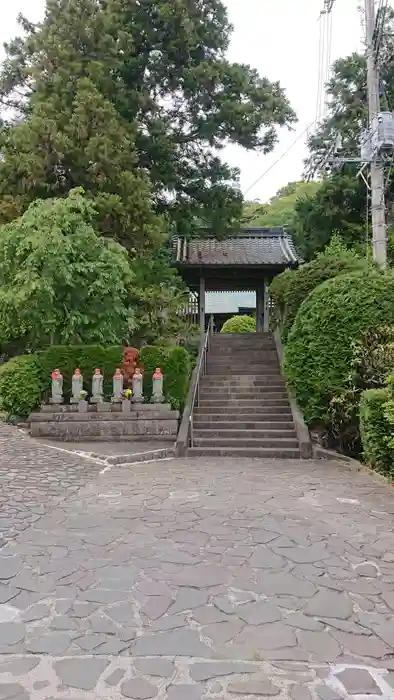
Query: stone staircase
[{"x": 244, "y": 408}]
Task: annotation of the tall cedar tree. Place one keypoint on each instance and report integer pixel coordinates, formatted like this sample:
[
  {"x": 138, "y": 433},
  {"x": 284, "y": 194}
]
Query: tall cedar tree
[{"x": 133, "y": 101}]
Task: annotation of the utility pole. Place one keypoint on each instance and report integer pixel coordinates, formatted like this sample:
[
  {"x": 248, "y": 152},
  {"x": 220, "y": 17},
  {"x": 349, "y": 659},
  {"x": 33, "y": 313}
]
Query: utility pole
[{"x": 379, "y": 245}]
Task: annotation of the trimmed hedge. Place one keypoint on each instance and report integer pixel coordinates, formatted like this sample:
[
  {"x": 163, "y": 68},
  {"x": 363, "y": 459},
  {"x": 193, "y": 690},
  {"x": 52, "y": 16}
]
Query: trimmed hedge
[
  {"x": 25, "y": 381},
  {"x": 87, "y": 358},
  {"x": 152, "y": 356},
  {"x": 376, "y": 430},
  {"x": 175, "y": 364},
  {"x": 318, "y": 353},
  {"x": 177, "y": 369},
  {"x": 239, "y": 324},
  {"x": 291, "y": 287}
]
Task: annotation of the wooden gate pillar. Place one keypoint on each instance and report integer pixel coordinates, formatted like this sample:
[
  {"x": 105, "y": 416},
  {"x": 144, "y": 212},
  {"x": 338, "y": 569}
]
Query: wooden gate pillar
[
  {"x": 266, "y": 323},
  {"x": 259, "y": 309},
  {"x": 202, "y": 306}
]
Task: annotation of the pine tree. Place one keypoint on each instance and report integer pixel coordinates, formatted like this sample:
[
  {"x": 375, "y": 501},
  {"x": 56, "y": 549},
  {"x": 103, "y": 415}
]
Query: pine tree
[{"x": 114, "y": 94}]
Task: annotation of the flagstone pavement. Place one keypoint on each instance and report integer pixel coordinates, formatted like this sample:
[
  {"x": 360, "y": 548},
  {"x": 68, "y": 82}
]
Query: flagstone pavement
[{"x": 192, "y": 579}]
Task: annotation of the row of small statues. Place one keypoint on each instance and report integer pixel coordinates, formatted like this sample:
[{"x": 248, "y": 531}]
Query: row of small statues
[{"x": 118, "y": 393}]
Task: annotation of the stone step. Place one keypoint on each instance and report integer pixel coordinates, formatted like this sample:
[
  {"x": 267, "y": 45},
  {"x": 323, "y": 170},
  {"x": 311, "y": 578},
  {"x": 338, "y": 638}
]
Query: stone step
[
  {"x": 248, "y": 357},
  {"x": 226, "y": 339},
  {"x": 234, "y": 368},
  {"x": 246, "y": 369},
  {"x": 243, "y": 392},
  {"x": 244, "y": 434},
  {"x": 234, "y": 358},
  {"x": 233, "y": 400},
  {"x": 240, "y": 389},
  {"x": 233, "y": 351},
  {"x": 228, "y": 442},
  {"x": 238, "y": 356},
  {"x": 259, "y": 412},
  {"x": 270, "y": 398},
  {"x": 243, "y": 346},
  {"x": 249, "y": 414},
  {"x": 242, "y": 338},
  {"x": 259, "y": 452},
  {"x": 231, "y": 379},
  {"x": 237, "y": 425},
  {"x": 242, "y": 349},
  {"x": 244, "y": 380},
  {"x": 235, "y": 361}
]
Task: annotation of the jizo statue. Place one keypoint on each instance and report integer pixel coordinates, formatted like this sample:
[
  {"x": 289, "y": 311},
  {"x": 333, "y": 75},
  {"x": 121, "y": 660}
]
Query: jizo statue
[
  {"x": 57, "y": 387},
  {"x": 157, "y": 384},
  {"x": 137, "y": 381},
  {"x": 77, "y": 386},
  {"x": 97, "y": 387},
  {"x": 117, "y": 386}
]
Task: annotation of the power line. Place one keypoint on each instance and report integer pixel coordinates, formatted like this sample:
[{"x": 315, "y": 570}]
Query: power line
[
  {"x": 320, "y": 66},
  {"x": 328, "y": 61},
  {"x": 324, "y": 58},
  {"x": 378, "y": 33},
  {"x": 278, "y": 160}
]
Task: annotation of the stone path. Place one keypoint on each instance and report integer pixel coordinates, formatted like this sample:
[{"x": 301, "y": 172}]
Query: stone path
[
  {"x": 185, "y": 580},
  {"x": 34, "y": 479}
]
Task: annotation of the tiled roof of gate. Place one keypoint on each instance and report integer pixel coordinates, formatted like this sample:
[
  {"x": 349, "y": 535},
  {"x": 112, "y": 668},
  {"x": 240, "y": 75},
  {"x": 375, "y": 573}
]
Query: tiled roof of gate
[{"x": 252, "y": 247}]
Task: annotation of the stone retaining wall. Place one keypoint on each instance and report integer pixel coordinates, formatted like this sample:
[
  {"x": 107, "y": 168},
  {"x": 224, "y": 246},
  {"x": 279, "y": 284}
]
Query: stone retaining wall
[{"x": 155, "y": 421}]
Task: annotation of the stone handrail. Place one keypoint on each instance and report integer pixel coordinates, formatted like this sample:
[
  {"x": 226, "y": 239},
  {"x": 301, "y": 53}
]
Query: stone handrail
[
  {"x": 182, "y": 441},
  {"x": 184, "y": 432}
]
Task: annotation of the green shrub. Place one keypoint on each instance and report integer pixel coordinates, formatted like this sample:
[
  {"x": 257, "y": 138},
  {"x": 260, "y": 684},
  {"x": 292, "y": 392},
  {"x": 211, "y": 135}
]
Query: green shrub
[
  {"x": 21, "y": 385},
  {"x": 376, "y": 430},
  {"x": 371, "y": 363},
  {"x": 176, "y": 377},
  {"x": 290, "y": 288},
  {"x": 318, "y": 354},
  {"x": 239, "y": 324},
  {"x": 152, "y": 356},
  {"x": 278, "y": 294}
]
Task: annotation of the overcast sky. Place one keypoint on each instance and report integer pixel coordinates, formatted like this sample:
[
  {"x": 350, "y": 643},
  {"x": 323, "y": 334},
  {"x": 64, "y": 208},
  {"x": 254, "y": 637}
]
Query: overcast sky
[{"x": 280, "y": 39}]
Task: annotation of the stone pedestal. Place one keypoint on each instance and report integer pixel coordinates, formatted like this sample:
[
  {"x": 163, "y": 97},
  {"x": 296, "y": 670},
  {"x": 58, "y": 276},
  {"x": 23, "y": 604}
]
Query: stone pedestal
[
  {"x": 126, "y": 406},
  {"x": 103, "y": 406}
]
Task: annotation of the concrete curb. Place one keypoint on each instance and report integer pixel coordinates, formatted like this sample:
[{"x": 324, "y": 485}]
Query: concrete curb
[
  {"x": 303, "y": 435},
  {"x": 149, "y": 455},
  {"x": 352, "y": 464},
  {"x": 117, "y": 460}
]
